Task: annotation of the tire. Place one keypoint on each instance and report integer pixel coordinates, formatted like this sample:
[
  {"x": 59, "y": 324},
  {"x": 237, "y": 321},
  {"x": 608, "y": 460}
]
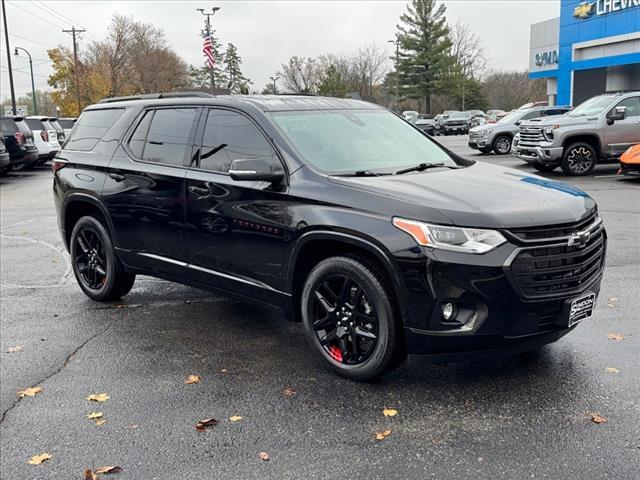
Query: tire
[
  {"x": 541, "y": 167},
  {"x": 360, "y": 336},
  {"x": 579, "y": 159},
  {"x": 502, "y": 145},
  {"x": 92, "y": 252}
]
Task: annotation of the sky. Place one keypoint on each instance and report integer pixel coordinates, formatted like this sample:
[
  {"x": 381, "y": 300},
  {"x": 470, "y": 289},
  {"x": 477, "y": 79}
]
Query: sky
[{"x": 267, "y": 33}]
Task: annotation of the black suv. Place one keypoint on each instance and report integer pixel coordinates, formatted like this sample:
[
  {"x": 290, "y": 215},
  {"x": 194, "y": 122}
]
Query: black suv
[
  {"x": 18, "y": 140},
  {"x": 337, "y": 212}
]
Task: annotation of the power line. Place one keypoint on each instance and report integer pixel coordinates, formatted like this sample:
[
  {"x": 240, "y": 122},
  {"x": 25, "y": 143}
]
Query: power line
[
  {"x": 22, "y": 7},
  {"x": 22, "y": 71},
  {"x": 64, "y": 18},
  {"x": 30, "y": 40}
]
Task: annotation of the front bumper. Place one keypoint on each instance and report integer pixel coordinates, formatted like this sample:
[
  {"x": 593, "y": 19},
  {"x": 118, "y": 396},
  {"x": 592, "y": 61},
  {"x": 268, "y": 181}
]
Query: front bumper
[
  {"x": 631, "y": 169},
  {"x": 496, "y": 308},
  {"x": 456, "y": 128},
  {"x": 478, "y": 142},
  {"x": 537, "y": 154}
]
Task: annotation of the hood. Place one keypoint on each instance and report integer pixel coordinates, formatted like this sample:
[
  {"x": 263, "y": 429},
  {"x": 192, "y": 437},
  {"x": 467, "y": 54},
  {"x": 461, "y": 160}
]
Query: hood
[
  {"x": 482, "y": 195},
  {"x": 496, "y": 127},
  {"x": 457, "y": 120},
  {"x": 562, "y": 120}
]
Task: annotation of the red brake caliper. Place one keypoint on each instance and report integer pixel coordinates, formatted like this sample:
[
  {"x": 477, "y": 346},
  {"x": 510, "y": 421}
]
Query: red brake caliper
[{"x": 335, "y": 353}]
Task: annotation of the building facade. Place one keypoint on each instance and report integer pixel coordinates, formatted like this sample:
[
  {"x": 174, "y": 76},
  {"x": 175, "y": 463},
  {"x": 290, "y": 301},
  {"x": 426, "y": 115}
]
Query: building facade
[{"x": 592, "y": 48}]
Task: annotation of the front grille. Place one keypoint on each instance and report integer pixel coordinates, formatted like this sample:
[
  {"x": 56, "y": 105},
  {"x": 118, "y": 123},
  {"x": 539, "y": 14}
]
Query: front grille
[
  {"x": 552, "y": 232},
  {"x": 558, "y": 270},
  {"x": 531, "y": 135},
  {"x": 474, "y": 134}
]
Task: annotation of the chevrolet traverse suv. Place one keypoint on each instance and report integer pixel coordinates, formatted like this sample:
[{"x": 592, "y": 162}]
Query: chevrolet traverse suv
[{"x": 338, "y": 213}]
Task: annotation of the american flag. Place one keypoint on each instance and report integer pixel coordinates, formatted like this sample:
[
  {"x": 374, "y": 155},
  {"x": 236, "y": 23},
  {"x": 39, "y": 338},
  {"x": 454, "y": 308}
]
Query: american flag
[{"x": 207, "y": 49}]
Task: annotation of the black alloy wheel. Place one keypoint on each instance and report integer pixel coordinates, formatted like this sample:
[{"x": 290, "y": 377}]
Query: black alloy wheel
[
  {"x": 579, "y": 159},
  {"x": 95, "y": 266},
  {"x": 349, "y": 318}
]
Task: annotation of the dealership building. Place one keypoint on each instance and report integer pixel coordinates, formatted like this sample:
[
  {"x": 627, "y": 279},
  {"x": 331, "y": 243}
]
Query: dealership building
[{"x": 592, "y": 48}]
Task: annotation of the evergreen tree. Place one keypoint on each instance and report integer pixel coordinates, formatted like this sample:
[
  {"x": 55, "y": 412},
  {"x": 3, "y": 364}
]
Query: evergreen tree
[
  {"x": 424, "y": 50},
  {"x": 236, "y": 81},
  {"x": 332, "y": 83}
]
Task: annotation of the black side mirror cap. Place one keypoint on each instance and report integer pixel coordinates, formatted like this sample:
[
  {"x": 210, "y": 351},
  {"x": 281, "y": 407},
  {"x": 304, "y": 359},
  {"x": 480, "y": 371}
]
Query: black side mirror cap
[
  {"x": 256, "y": 170},
  {"x": 618, "y": 113}
]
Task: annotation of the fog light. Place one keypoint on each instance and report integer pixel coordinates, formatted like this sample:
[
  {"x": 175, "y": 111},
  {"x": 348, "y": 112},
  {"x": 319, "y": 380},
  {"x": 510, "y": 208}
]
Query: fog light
[{"x": 447, "y": 310}]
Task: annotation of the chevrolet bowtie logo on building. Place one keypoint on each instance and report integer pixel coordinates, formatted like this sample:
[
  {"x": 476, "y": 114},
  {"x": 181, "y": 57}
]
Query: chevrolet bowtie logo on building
[{"x": 584, "y": 10}]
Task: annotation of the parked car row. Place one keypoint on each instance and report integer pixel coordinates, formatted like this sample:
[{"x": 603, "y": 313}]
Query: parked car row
[{"x": 30, "y": 141}]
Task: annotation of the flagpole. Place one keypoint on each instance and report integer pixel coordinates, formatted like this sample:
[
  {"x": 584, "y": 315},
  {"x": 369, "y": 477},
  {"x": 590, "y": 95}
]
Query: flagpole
[{"x": 209, "y": 15}]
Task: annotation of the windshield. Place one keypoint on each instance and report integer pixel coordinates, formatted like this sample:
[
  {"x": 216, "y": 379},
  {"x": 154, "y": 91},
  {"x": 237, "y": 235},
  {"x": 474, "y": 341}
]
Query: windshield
[
  {"x": 455, "y": 115},
  {"x": 347, "y": 141},
  {"x": 593, "y": 106},
  {"x": 513, "y": 117}
]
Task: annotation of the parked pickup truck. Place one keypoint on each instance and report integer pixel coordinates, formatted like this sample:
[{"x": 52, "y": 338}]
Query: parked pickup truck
[{"x": 598, "y": 130}]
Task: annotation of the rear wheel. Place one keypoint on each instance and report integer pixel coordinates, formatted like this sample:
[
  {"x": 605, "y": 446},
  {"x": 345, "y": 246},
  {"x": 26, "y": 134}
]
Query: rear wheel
[
  {"x": 349, "y": 318},
  {"x": 579, "y": 159},
  {"x": 94, "y": 263},
  {"x": 544, "y": 167},
  {"x": 502, "y": 145}
]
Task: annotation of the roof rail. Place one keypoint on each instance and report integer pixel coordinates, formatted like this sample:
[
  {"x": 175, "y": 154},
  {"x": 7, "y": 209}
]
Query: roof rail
[{"x": 154, "y": 96}]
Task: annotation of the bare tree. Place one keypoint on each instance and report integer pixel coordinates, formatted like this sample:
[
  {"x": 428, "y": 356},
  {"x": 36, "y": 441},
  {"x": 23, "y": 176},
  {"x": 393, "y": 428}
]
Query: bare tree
[
  {"x": 509, "y": 90},
  {"x": 467, "y": 50},
  {"x": 300, "y": 75}
]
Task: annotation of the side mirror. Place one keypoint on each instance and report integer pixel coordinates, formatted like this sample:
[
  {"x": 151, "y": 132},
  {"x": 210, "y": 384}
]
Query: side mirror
[
  {"x": 618, "y": 113},
  {"x": 518, "y": 122},
  {"x": 257, "y": 170}
]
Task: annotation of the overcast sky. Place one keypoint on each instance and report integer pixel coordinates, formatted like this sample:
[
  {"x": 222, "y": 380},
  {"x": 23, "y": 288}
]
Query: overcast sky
[{"x": 266, "y": 33}]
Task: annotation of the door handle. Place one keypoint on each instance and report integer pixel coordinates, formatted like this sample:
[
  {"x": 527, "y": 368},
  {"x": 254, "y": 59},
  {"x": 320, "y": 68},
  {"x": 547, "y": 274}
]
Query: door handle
[
  {"x": 118, "y": 177},
  {"x": 201, "y": 192}
]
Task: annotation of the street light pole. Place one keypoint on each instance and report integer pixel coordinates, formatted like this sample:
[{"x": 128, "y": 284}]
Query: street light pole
[
  {"x": 208, "y": 24},
  {"x": 33, "y": 85},
  {"x": 6, "y": 38},
  {"x": 273, "y": 79},
  {"x": 397, "y": 44}
]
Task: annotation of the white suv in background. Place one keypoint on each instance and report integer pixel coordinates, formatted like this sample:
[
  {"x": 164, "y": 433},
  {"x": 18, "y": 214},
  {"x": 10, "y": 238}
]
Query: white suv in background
[{"x": 45, "y": 137}]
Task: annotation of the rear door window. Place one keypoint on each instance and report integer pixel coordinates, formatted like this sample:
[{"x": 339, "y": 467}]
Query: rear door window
[
  {"x": 229, "y": 136},
  {"x": 8, "y": 126},
  {"x": 170, "y": 134},
  {"x": 66, "y": 123},
  {"x": 35, "y": 124},
  {"x": 92, "y": 125}
]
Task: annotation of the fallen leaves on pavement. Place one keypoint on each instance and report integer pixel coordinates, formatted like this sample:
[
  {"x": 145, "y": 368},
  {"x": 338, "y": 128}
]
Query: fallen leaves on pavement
[
  {"x": 264, "y": 456},
  {"x": 611, "y": 302},
  {"x": 612, "y": 370},
  {"x": 109, "y": 469},
  {"x": 94, "y": 415},
  {"x": 29, "y": 392},
  {"x": 100, "y": 421},
  {"x": 390, "y": 412},
  {"x": 289, "y": 392},
  {"x": 193, "y": 379},
  {"x": 235, "y": 418},
  {"x": 99, "y": 397},
  {"x": 16, "y": 349},
  {"x": 89, "y": 475},
  {"x": 597, "y": 418},
  {"x": 38, "y": 459},
  {"x": 382, "y": 435},
  {"x": 618, "y": 337},
  {"x": 207, "y": 422}
]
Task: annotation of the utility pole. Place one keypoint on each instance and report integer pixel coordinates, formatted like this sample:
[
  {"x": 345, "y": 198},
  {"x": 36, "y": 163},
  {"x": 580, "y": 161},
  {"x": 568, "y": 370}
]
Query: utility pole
[
  {"x": 6, "y": 38},
  {"x": 208, "y": 24},
  {"x": 73, "y": 32},
  {"x": 33, "y": 85},
  {"x": 273, "y": 79},
  {"x": 397, "y": 44}
]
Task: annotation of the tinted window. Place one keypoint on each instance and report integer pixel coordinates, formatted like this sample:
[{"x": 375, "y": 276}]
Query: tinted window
[
  {"x": 55, "y": 125},
  {"x": 136, "y": 142},
  {"x": 229, "y": 136},
  {"x": 8, "y": 126},
  {"x": 92, "y": 125},
  {"x": 633, "y": 106},
  {"x": 554, "y": 111},
  {"x": 533, "y": 114},
  {"x": 66, "y": 123},
  {"x": 168, "y": 137},
  {"x": 35, "y": 124}
]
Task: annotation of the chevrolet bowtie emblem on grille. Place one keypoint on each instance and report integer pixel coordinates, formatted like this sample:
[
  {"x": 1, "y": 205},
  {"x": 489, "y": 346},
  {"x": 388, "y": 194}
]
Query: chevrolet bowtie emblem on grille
[
  {"x": 584, "y": 10},
  {"x": 579, "y": 239}
]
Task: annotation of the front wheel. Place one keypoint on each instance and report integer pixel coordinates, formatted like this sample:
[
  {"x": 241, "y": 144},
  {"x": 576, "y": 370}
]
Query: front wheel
[
  {"x": 579, "y": 159},
  {"x": 94, "y": 262},
  {"x": 349, "y": 318},
  {"x": 502, "y": 145}
]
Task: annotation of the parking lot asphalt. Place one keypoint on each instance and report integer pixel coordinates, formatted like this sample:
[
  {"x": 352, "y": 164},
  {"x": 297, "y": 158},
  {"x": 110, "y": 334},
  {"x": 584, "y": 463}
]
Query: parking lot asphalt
[{"x": 528, "y": 416}]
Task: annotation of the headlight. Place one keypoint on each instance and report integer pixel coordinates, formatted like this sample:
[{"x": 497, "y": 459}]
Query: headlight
[
  {"x": 548, "y": 131},
  {"x": 486, "y": 133},
  {"x": 466, "y": 240}
]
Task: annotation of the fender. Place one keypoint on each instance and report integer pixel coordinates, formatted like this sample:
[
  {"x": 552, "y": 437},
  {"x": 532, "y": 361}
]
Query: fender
[
  {"x": 383, "y": 256},
  {"x": 82, "y": 197}
]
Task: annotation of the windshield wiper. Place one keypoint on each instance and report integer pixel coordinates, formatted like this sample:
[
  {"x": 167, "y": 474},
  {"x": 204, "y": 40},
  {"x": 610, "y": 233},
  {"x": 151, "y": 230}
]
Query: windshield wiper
[
  {"x": 422, "y": 166},
  {"x": 362, "y": 173}
]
